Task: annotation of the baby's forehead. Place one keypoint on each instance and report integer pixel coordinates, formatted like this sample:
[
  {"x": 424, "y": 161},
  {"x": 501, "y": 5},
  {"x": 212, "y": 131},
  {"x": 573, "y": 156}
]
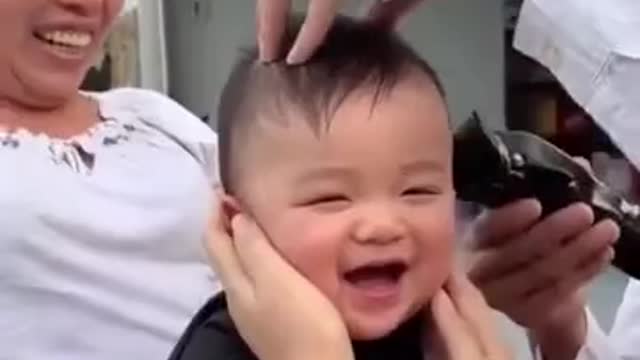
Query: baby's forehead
[
  {"x": 396, "y": 121},
  {"x": 285, "y": 113}
]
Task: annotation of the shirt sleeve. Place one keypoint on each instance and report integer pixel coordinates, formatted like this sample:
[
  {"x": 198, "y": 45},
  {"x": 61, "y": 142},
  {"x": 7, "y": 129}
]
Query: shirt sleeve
[
  {"x": 592, "y": 48},
  {"x": 625, "y": 334}
]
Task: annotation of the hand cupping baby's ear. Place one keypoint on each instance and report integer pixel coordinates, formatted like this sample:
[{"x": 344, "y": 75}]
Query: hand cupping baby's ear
[{"x": 463, "y": 325}]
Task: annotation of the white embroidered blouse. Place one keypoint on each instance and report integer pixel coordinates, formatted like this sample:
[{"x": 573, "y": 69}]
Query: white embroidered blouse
[{"x": 101, "y": 251}]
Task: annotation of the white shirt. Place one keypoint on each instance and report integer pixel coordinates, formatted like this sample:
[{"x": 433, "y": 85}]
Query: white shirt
[
  {"x": 100, "y": 243},
  {"x": 593, "y": 48}
]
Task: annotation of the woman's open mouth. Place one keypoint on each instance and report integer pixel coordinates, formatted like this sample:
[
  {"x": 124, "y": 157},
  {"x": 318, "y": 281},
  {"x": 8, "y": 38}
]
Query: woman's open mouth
[{"x": 69, "y": 42}]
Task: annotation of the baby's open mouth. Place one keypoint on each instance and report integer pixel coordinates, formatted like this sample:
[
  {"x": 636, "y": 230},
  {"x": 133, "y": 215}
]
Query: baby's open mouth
[{"x": 376, "y": 275}]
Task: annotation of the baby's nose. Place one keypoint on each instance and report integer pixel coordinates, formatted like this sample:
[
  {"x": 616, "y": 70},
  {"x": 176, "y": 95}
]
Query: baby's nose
[{"x": 379, "y": 225}]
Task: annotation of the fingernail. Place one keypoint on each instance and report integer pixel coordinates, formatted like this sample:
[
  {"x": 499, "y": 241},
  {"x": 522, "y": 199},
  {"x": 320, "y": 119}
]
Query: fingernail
[
  {"x": 234, "y": 219},
  {"x": 261, "y": 43},
  {"x": 616, "y": 231},
  {"x": 587, "y": 211},
  {"x": 533, "y": 204},
  {"x": 264, "y": 55},
  {"x": 296, "y": 55},
  {"x": 261, "y": 57}
]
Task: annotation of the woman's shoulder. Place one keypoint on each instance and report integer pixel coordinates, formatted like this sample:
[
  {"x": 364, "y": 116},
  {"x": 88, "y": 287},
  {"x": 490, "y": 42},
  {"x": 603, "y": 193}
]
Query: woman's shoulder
[
  {"x": 166, "y": 115},
  {"x": 155, "y": 108}
]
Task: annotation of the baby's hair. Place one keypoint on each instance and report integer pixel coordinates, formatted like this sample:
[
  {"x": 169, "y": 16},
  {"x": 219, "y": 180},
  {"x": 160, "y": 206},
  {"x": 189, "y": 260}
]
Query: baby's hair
[{"x": 354, "y": 56}]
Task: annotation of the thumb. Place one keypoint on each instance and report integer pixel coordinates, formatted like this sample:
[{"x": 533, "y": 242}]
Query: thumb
[
  {"x": 222, "y": 255},
  {"x": 453, "y": 338},
  {"x": 496, "y": 226}
]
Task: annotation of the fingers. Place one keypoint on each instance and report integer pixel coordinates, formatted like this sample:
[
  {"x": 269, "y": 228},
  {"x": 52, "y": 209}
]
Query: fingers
[
  {"x": 454, "y": 335},
  {"x": 551, "y": 306},
  {"x": 476, "y": 313},
  {"x": 271, "y": 19},
  {"x": 465, "y": 322},
  {"x": 259, "y": 259},
  {"x": 272, "y": 23},
  {"x": 540, "y": 240},
  {"x": 499, "y": 225},
  {"x": 389, "y": 13},
  {"x": 574, "y": 281},
  {"x": 319, "y": 18},
  {"x": 563, "y": 271},
  {"x": 594, "y": 243},
  {"x": 222, "y": 253}
]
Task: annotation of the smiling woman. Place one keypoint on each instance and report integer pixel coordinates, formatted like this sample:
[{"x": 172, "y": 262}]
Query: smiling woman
[{"x": 98, "y": 234}]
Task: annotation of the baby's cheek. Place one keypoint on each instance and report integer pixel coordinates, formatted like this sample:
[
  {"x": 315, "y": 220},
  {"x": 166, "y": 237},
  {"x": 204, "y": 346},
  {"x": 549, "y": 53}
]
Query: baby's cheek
[
  {"x": 437, "y": 257},
  {"x": 313, "y": 247}
]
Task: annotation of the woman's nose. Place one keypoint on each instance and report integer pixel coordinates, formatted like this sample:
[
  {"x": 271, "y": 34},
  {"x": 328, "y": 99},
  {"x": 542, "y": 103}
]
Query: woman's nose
[{"x": 82, "y": 7}]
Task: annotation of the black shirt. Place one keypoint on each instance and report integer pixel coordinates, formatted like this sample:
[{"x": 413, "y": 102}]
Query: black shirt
[{"x": 212, "y": 336}]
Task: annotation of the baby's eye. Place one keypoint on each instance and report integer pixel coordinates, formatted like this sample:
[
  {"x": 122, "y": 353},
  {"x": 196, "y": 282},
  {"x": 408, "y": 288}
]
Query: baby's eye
[
  {"x": 420, "y": 191},
  {"x": 326, "y": 199}
]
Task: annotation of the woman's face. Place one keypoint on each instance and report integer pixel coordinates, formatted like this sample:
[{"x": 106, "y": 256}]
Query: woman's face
[{"x": 47, "y": 47}]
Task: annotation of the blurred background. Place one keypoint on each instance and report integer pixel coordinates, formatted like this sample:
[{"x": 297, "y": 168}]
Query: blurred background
[{"x": 185, "y": 48}]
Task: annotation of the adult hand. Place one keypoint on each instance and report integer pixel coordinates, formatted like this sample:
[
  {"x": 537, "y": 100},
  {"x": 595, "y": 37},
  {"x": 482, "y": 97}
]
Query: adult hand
[
  {"x": 264, "y": 291},
  {"x": 464, "y": 324},
  {"x": 272, "y": 22},
  {"x": 535, "y": 270}
]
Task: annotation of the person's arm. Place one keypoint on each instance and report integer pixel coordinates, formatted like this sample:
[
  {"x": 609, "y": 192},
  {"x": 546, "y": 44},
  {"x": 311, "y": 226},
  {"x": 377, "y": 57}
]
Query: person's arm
[
  {"x": 620, "y": 344},
  {"x": 597, "y": 65},
  {"x": 595, "y": 346},
  {"x": 592, "y": 48},
  {"x": 563, "y": 340},
  {"x": 536, "y": 270}
]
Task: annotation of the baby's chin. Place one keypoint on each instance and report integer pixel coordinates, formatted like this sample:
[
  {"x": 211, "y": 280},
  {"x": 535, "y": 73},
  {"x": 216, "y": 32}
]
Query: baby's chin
[{"x": 368, "y": 326}]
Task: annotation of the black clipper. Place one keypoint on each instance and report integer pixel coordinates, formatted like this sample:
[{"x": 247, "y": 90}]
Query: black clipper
[{"x": 493, "y": 168}]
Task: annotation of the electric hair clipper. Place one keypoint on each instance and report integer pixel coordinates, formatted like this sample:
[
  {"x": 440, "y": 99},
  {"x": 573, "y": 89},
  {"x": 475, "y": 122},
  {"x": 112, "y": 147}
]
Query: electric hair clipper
[{"x": 493, "y": 168}]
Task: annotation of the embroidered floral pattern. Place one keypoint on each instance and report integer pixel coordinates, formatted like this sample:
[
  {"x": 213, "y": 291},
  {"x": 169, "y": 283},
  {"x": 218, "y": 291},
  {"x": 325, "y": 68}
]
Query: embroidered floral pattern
[
  {"x": 9, "y": 140},
  {"x": 74, "y": 156},
  {"x": 77, "y": 153}
]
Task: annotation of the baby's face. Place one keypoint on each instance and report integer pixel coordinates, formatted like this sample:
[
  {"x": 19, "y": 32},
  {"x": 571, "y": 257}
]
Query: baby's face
[{"x": 364, "y": 210}]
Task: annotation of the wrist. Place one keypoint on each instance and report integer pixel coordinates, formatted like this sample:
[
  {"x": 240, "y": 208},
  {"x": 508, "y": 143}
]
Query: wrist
[{"x": 562, "y": 338}]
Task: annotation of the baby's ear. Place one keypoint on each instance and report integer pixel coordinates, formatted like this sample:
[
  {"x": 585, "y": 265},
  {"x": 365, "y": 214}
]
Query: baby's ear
[{"x": 230, "y": 206}]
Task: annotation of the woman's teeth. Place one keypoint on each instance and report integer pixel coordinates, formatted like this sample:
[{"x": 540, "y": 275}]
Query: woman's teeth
[{"x": 67, "y": 38}]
